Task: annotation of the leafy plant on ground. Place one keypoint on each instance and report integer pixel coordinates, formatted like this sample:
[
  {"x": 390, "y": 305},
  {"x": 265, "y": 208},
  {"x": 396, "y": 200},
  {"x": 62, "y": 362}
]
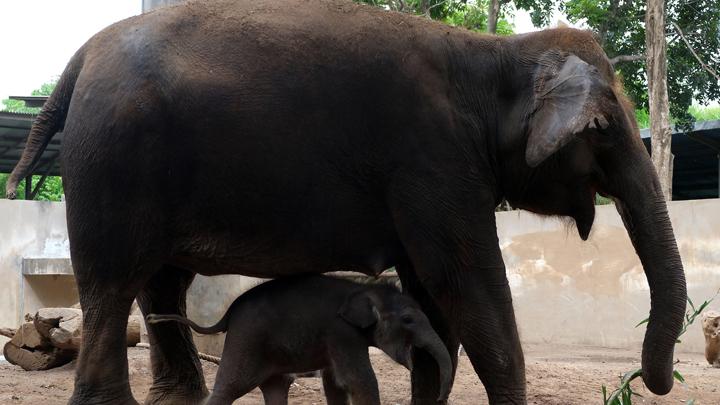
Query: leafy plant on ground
[{"x": 624, "y": 393}]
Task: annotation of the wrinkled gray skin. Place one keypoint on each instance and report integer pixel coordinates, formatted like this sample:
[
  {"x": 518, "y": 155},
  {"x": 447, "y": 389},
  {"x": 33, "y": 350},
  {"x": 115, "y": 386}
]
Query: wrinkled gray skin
[
  {"x": 277, "y": 137},
  {"x": 299, "y": 324}
]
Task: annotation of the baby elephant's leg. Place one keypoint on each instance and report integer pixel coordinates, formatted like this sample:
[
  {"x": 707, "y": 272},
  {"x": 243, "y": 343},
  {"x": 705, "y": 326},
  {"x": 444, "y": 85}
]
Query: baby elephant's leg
[
  {"x": 275, "y": 389},
  {"x": 353, "y": 371},
  {"x": 334, "y": 393},
  {"x": 241, "y": 369}
]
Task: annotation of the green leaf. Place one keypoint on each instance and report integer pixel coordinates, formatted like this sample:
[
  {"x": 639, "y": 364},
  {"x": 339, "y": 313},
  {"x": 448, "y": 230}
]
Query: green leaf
[
  {"x": 678, "y": 376},
  {"x": 646, "y": 320}
]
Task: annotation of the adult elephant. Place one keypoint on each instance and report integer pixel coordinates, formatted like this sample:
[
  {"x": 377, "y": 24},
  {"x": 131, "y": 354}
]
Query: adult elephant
[{"x": 277, "y": 137}]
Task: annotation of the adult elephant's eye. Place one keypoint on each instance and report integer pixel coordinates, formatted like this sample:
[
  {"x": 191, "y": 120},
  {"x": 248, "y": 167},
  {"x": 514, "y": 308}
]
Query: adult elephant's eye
[{"x": 406, "y": 319}]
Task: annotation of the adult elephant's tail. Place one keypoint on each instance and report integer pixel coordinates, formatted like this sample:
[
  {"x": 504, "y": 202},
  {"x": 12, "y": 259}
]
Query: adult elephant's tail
[{"x": 50, "y": 121}]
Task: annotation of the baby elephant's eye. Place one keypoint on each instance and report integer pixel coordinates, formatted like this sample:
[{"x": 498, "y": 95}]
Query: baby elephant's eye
[{"x": 407, "y": 319}]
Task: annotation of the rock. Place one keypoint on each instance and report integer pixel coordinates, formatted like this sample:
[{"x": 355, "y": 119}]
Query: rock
[{"x": 711, "y": 330}]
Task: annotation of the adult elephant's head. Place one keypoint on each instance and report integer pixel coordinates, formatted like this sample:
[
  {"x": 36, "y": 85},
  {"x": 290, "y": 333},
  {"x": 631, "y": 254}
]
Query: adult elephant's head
[{"x": 569, "y": 132}]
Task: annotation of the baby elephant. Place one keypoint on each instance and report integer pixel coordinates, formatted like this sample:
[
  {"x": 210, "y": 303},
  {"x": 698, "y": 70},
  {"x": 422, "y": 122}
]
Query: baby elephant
[{"x": 300, "y": 324}]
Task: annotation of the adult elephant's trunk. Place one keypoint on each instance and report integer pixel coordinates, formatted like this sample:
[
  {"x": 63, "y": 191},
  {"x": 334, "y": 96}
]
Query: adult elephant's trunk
[
  {"x": 644, "y": 212},
  {"x": 431, "y": 343}
]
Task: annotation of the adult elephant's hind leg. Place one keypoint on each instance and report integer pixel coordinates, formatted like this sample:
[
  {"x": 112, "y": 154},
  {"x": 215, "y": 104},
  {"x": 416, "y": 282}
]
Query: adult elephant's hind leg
[
  {"x": 102, "y": 370},
  {"x": 107, "y": 288},
  {"x": 177, "y": 373}
]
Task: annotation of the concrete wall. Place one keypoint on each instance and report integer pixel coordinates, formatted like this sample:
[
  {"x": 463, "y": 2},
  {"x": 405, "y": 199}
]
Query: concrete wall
[
  {"x": 208, "y": 299},
  {"x": 148, "y": 5},
  {"x": 595, "y": 292},
  {"x": 31, "y": 229},
  {"x": 565, "y": 290}
]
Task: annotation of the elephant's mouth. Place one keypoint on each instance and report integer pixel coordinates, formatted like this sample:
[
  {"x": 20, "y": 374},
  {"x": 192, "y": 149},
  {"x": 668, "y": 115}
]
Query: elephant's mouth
[{"x": 404, "y": 357}]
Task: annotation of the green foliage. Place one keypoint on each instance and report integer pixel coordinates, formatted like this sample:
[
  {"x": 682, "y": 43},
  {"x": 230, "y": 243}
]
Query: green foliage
[
  {"x": 643, "y": 118},
  {"x": 459, "y": 13},
  {"x": 471, "y": 17},
  {"x": 623, "y": 394},
  {"x": 18, "y": 106},
  {"x": 698, "y": 113},
  {"x": 600, "y": 200},
  {"x": 620, "y": 27},
  {"x": 705, "y": 113},
  {"x": 51, "y": 190},
  {"x": 45, "y": 89},
  {"x": 540, "y": 10}
]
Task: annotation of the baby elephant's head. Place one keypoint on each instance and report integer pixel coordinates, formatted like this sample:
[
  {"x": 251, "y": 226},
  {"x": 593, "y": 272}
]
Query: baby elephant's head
[{"x": 396, "y": 325}]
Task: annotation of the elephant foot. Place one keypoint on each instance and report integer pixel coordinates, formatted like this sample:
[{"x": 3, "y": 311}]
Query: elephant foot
[
  {"x": 92, "y": 398},
  {"x": 427, "y": 401},
  {"x": 177, "y": 395}
]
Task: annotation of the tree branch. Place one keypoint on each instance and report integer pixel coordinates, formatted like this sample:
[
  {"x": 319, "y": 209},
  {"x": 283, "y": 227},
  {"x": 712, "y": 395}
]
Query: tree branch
[
  {"x": 626, "y": 58},
  {"x": 705, "y": 66}
]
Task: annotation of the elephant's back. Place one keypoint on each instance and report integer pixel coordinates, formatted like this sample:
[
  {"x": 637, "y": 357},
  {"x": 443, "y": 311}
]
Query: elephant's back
[
  {"x": 286, "y": 306},
  {"x": 307, "y": 289}
]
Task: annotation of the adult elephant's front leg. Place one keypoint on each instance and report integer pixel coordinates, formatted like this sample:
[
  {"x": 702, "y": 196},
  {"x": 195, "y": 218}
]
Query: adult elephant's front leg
[
  {"x": 177, "y": 373},
  {"x": 452, "y": 244},
  {"x": 489, "y": 335},
  {"x": 425, "y": 374}
]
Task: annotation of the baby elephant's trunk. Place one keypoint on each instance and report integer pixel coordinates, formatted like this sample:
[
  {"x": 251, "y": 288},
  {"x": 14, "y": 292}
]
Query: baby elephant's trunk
[
  {"x": 210, "y": 330},
  {"x": 431, "y": 343}
]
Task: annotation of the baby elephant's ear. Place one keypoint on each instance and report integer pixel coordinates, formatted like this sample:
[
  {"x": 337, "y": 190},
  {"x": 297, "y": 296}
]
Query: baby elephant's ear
[
  {"x": 569, "y": 96},
  {"x": 358, "y": 310}
]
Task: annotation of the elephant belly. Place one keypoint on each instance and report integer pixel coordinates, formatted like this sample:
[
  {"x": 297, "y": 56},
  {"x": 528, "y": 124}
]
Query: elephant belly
[{"x": 270, "y": 260}]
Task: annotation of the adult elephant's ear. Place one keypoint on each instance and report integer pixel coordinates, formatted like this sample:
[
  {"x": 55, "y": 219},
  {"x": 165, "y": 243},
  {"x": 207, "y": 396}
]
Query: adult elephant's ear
[{"x": 569, "y": 95}]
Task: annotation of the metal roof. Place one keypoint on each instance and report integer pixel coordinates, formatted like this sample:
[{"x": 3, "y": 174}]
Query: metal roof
[
  {"x": 31, "y": 101},
  {"x": 14, "y": 129},
  {"x": 697, "y": 164}
]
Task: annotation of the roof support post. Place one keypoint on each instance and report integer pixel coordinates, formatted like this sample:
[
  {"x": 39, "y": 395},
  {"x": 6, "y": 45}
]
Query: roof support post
[
  {"x": 38, "y": 186},
  {"x": 28, "y": 187}
]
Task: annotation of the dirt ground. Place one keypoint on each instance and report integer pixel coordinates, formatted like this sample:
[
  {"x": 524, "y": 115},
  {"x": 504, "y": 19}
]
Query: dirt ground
[{"x": 566, "y": 375}]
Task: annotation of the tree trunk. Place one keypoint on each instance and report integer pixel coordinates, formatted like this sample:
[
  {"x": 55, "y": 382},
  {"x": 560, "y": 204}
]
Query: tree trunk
[
  {"x": 8, "y": 332},
  {"x": 493, "y": 15},
  {"x": 425, "y": 4},
  {"x": 656, "y": 66},
  {"x": 34, "y": 360},
  {"x": 27, "y": 336}
]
